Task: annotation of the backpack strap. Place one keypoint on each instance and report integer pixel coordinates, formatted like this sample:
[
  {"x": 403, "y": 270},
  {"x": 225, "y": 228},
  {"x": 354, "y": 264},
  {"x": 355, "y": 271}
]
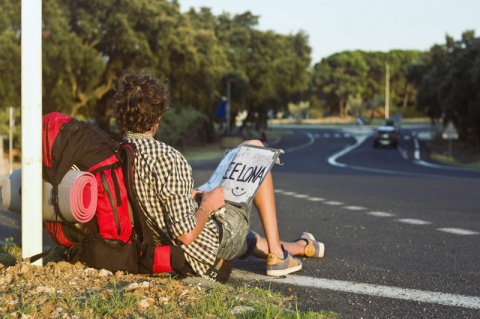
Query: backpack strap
[{"x": 140, "y": 227}]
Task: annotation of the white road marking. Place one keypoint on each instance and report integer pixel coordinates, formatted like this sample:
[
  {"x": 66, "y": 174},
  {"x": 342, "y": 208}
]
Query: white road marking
[
  {"x": 458, "y": 231},
  {"x": 334, "y": 203},
  {"x": 354, "y": 207},
  {"x": 381, "y": 214},
  {"x": 412, "y": 221},
  {"x": 368, "y": 289},
  {"x": 403, "y": 152},
  {"x": 311, "y": 140},
  {"x": 416, "y": 153},
  {"x": 300, "y": 196}
]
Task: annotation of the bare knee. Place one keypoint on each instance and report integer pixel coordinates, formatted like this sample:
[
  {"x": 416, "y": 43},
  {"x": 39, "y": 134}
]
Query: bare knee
[{"x": 253, "y": 142}]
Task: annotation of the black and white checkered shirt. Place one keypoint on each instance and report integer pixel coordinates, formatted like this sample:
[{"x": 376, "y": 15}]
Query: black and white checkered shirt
[{"x": 164, "y": 183}]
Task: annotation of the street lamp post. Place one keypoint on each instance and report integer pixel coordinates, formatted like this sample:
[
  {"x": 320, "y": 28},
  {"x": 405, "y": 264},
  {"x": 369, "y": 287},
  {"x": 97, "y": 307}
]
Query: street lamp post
[{"x": 387, "y": 91}]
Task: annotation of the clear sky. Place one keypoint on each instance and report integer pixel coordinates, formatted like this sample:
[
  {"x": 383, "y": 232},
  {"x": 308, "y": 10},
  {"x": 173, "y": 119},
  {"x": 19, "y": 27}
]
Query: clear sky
[{"x": 369, "y": 25}]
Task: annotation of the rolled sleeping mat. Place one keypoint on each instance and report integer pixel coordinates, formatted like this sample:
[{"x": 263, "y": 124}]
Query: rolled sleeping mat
[
  {"x": 11, "y": 191},
  {"x": 77, "y": 196}
]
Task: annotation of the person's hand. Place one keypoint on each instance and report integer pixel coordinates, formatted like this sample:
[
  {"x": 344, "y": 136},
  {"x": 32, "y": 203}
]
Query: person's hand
[
  {"x": 197, "y": 196},
  {"x": 196, "y": 193},
  {"x": 213, "y": 200}
]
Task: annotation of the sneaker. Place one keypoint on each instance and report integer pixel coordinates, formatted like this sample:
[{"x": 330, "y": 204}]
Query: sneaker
[
  {"x": 280, "y": 267},
  {"x": 313, "y": 248}
]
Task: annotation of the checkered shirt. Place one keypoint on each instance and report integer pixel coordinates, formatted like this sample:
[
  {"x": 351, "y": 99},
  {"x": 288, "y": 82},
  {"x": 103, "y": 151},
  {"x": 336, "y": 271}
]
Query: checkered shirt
[{"x": 164, "y": 183}]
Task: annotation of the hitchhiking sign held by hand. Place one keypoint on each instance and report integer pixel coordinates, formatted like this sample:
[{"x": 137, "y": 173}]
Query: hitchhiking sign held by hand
[
  {"x": 450, "y": 132},
  {"x": 241, "y": 172}
]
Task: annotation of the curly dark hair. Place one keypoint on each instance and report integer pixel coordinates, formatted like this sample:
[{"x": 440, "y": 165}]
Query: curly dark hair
[{"x": 139, "y": 101}]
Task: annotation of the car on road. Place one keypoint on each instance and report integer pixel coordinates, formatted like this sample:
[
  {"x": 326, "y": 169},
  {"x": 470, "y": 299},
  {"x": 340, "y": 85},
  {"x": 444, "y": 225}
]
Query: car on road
[
  {"x": 386, "y": 136},
  {"x": 393, "y": 123}
]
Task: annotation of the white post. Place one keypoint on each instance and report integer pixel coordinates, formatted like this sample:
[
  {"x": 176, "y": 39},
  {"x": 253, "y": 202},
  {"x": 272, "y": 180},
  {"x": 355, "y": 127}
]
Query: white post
[
  {"x": 32, "y": 128},
  {"x": 387, "y": 91}
]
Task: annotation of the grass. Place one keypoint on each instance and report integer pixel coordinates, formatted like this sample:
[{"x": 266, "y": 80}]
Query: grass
[
  {"x": 165, "y": 296},
  {"x": 10, "y": 253},
  {"x": 449, "y": 160},
  {"x": 461, "y": 154}
]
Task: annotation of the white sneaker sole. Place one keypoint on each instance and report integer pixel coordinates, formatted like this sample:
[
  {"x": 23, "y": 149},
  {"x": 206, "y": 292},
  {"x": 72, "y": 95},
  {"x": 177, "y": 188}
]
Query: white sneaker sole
[
  {"x": 283, "y": 272},
  {"x": 321, "y": 250}
]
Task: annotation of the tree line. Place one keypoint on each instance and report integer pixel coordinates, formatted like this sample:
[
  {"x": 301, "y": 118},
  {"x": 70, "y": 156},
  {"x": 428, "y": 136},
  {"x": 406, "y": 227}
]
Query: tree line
[{"x": 88, "y": 43}]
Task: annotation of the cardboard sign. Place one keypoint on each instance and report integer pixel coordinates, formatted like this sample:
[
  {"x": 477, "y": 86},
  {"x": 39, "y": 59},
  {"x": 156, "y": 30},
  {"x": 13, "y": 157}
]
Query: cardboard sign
[{"x": 241, "y": 172}]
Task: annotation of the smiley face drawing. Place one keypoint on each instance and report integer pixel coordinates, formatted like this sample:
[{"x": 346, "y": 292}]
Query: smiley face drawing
[{"x": 238, "y": 191}]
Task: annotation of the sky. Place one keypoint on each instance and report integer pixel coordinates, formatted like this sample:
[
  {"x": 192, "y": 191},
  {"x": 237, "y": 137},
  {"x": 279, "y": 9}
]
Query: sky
[{"x": 369, "y": 25}]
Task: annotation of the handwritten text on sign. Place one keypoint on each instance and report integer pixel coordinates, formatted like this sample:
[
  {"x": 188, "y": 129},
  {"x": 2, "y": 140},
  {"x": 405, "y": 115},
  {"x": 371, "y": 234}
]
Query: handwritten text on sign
[{"x": 241, "y": 172}]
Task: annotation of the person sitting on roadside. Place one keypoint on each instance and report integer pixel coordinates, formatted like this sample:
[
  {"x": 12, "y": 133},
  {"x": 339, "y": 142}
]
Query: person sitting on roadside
[{"x": 165, "y": 186}]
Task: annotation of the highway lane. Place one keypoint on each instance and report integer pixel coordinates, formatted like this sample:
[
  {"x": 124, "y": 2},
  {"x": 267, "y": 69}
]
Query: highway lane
[{"x": 385, "y": 219}]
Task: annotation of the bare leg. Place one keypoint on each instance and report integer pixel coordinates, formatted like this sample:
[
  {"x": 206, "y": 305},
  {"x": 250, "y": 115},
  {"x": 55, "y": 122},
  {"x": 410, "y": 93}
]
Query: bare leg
[
  {"x": 264, "y": 200},
  {"x": 295, "y": 248}
]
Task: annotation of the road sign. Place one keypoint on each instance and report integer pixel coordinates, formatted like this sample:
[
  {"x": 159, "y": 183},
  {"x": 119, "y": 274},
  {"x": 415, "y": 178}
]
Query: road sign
[{"x": 450, "y": 132}]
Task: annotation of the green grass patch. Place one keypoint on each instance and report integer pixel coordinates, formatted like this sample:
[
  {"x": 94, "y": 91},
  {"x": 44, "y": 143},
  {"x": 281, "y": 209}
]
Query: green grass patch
[
  {"x": 10, "y": 253},
  {"x": 449, "y": 160}
]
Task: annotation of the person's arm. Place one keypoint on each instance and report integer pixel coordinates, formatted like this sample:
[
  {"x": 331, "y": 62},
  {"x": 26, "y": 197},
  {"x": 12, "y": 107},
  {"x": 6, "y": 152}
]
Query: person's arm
[{"x": 211, "y": 201}]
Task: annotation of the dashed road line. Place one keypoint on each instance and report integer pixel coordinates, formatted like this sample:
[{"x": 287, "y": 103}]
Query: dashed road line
[
  {"x": 458, "y": 231},
  {"x": 415, "y": 295},
  {"x": 413, "y": 221},
  {"x": 354, "y": 207},
  {"x": 300, "y": 196},
  {"x": 381, "y": 214},
  {"x": 334, "y": 203}
]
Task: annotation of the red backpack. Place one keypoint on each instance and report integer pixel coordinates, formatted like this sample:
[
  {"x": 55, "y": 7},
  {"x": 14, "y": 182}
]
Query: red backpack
[
  {"x": 70, "y": 143},
  {"x": 111, "y": 240}
]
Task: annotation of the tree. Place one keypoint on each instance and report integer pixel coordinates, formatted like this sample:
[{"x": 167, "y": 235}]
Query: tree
[
  {"x": 72, "y": 70},
  {"x": 275, "y": 66},
  {"x": 10, "y": 64},
  {"x": 448, "y": 84},
  {"x": 340, "y": 77},
  {"x": 10, "y": 54}
]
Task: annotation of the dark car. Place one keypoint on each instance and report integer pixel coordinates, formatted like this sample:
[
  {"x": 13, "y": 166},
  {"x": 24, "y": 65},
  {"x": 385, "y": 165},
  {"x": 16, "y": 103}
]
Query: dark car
[
  {"x": 386, "y": 136},
  {"x": 393, "y": 123}
]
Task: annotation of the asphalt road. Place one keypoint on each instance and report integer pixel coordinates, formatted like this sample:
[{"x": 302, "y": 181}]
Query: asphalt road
[{"x": 389, "y": 219}]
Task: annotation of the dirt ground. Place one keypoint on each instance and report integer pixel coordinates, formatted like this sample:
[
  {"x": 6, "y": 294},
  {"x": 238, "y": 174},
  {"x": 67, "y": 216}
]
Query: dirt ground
[{"x": 64, "y": 290}]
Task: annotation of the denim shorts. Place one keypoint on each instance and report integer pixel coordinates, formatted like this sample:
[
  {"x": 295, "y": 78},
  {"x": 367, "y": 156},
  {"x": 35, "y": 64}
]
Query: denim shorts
[{"x": 237, "y": 238}]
